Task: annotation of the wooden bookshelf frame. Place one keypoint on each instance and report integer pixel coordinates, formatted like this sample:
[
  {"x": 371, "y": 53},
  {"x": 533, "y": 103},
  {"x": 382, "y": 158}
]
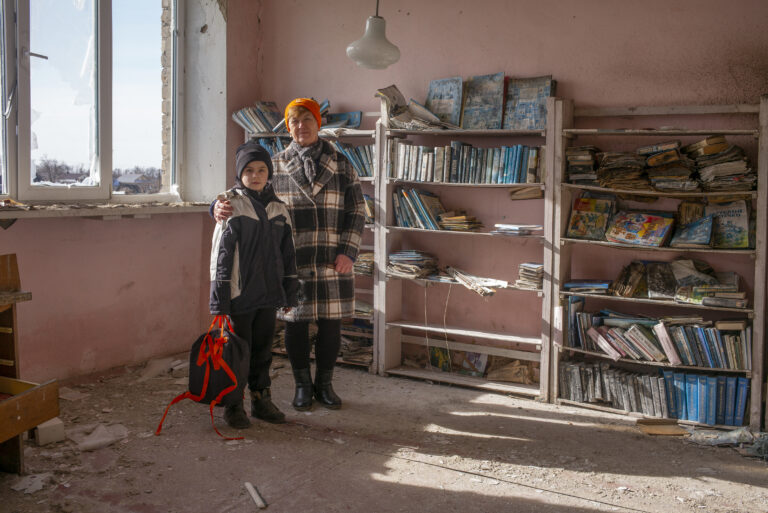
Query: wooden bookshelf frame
[
  {"x": 389, "y": 289},
  {"x": 564, "y": 113}
]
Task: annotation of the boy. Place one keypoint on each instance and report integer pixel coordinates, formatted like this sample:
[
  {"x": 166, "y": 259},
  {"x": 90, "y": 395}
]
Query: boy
[{"x": 253, "y": 272}]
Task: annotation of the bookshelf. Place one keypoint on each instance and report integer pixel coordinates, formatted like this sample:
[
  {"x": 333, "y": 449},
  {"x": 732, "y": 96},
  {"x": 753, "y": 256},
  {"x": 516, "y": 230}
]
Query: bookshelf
[
  {"x": 416, "y": 315},
  {"x": 363, "y": 283},
  {"x": 574, "y": 259}
]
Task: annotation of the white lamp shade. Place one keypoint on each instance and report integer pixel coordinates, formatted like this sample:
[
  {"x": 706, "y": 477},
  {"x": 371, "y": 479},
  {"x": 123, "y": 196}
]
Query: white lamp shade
[{"x": 373, "y": 50}]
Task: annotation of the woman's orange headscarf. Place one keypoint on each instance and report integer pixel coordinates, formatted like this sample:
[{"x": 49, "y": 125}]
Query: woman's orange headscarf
[{"x": 309, "y": 104}]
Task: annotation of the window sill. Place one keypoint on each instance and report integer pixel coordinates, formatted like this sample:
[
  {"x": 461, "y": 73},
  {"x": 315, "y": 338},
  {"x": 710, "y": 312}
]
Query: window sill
[{"x": 106, "y": 211}]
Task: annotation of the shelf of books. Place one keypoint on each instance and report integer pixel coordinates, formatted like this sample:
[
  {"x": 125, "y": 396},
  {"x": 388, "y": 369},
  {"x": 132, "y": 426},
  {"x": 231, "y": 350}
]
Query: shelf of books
[
  {"x": 659, "y": 262},
  {"x": 462, "y": 295}
]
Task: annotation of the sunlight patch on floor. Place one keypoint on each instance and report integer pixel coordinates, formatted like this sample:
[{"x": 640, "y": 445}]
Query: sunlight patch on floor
[{"x": 434, "y": 428}]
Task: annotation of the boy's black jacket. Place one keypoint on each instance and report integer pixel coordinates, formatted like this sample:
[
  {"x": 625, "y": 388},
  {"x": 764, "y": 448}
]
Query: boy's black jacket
[{"x": 253, "y": 260}]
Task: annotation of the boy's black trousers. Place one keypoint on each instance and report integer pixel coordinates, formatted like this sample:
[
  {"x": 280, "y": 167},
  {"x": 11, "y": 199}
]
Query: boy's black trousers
[{"x": 258, "y": 328}]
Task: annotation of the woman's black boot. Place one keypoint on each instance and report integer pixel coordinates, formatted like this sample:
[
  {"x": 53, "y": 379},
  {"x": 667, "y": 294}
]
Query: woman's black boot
[
  {"x": 302, "y": 399},
  {"x": 324, "y": 390}
]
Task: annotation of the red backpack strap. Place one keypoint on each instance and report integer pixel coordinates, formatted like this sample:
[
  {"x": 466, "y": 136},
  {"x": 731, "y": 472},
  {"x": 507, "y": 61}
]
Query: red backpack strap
[{"x": 213, "y": 349}]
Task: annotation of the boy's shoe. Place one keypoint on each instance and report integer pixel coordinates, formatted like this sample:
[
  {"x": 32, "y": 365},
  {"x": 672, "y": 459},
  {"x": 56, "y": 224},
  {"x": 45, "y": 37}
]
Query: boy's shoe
[
  {"x": 235, "y": 416},
  {"x": 263, "y": 408}
]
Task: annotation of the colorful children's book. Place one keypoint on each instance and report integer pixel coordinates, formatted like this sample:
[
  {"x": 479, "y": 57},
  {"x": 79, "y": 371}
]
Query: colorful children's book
[
  {"x": 639, "y": 228},
  {"x": 444, "y": 99},
  {"x": 587, "y": 225},
  {"x": 474, "y": 364},
  {"x": 697, "y": 234},
  {"x": 731, "y": 224},
  {"x": 483, "y": 102},
  {"x": 440, "y": 358},
  {"x": 526, "y": 107}
]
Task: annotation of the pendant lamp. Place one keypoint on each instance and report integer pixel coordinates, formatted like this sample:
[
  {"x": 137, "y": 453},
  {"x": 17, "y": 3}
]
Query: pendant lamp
[{"x": 373, "y": 51}]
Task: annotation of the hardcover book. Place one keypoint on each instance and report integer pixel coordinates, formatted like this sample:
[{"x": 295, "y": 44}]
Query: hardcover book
[
  {"x": 639, "y": 228},
  {"x": 444, "y": 99},
  {"x": 483, "y": 102},
  {"x": 526, "y": 107}
]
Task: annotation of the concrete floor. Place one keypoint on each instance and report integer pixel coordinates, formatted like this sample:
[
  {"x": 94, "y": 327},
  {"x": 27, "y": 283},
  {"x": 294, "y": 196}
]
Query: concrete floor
[{"x": 397, "y": 445}]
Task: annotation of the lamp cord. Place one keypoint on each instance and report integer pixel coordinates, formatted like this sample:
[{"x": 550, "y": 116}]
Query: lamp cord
[{"x": 377, "y": 8}]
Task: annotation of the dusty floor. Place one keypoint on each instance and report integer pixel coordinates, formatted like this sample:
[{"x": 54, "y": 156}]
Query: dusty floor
[{"x": 397, "y": 445}]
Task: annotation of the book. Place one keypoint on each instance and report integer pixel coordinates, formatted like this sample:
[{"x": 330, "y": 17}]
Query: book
[
  {"x": 711, "y": 140},
  {"x": 660, "y": 330},
  {"x": 639, "y": 228},
  {"x": 660, "y": 280},
  {"x": 720, "y": 401},
  {"x": 711, "y": 400},
  {"x": 474, "y": 364},
  {"x": 440, "y": 358},
  {"x": 730, "y": 224},
  {"x": 697, "y": 234},
  {"x": 703, "y": 393},
  {"x": 669, "y": 386},
  {"x": 658, "y": 148},
  {"x": 343, "y": 119},
  {"x": 742, "y": 390},
  {"x": 692, "y": 396},
  {"x": 587, "y": 225},
  {"x": 730, "y": 400},
  {"x": 444, "y": 99},
  {"x": 526, "y": 104},
  {"x": 603, "y": 343},
  {"x": 680, "y": 396},
  {"x": 483, "y": 102}
]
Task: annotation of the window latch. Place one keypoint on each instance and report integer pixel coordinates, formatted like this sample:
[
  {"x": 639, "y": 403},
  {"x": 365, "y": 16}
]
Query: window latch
[{"x": 9, "y": 103}]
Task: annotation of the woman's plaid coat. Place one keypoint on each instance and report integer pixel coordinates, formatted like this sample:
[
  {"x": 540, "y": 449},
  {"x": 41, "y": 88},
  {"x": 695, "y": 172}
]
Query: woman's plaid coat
[{"x": 328, "y": 218}]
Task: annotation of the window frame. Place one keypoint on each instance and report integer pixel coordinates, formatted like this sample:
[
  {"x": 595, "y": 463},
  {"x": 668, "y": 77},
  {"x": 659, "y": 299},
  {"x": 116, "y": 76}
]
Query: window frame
[{"x": 18, "y": 126}]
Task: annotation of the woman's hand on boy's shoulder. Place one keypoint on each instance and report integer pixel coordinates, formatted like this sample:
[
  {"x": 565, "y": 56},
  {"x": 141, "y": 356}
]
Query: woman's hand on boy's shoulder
[{"x": 222, "y": 210}]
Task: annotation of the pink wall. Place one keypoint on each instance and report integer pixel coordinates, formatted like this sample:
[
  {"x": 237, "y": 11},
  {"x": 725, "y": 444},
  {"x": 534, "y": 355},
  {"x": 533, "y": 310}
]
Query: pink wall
[
  {"x": 107, "y": 293},
  {"x": 603, "y": 53}
]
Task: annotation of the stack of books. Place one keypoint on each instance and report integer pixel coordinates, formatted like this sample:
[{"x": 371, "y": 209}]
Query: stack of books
[
  {"x": 588, "y": 286},
  {"x": 411, "y": 264},
  {"x": 722, "y": 166},
  {"x": 459, "y": 222},
  {"x": 364, "y": 264},
  {"x": 357, "y": 341},
  {"x": 531, "y": 276},
  {"x": 517, "y": 229},
  {"x": 622, "y": 170},
  {"x": 262, "y": 117},
  {"x": 668, "y": 170},
  {"x": 582, "y": 164}
]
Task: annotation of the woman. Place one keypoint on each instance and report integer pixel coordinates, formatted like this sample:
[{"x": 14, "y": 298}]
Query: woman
[{"x": 325, "y": 201}]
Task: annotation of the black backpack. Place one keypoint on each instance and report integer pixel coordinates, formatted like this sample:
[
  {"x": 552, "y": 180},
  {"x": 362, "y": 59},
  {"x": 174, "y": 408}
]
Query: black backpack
[{"x": 218, "y": 369}]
